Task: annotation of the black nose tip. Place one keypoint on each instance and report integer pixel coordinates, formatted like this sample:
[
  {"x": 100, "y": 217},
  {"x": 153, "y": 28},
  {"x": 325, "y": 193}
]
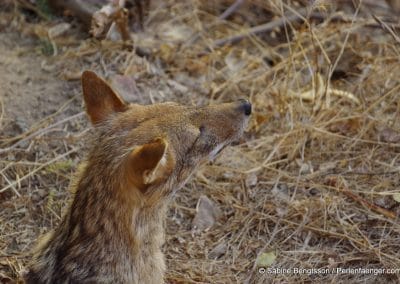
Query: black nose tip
[{"x": 245, "y": 105}]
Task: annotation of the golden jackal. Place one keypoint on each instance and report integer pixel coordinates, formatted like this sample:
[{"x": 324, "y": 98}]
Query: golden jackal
[{"x": 113, "y": 229}]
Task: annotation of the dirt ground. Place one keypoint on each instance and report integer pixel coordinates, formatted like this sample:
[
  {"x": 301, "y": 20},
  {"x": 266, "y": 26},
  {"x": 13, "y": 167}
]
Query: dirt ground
[{"x": 313, "y": 184}]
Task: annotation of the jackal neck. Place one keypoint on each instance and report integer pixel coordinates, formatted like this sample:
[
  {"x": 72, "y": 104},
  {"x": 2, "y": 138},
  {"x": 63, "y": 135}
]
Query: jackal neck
[{"x": 103, "y": 205}]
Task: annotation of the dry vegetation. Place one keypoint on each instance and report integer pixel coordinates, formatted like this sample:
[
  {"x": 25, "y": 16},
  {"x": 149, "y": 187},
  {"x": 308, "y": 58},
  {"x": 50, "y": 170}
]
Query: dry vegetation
[{"x": 315, "y": 180}]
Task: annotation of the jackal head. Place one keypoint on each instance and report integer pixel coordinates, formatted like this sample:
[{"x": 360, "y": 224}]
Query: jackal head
[{"x": 153, "y": 149}]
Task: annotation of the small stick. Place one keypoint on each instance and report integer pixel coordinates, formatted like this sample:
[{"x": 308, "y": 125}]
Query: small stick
[
  {"x": 366, "y": 203},
  {"x": 27, "y": 5},
  {"x": 38, "y": 169},
  {"x": 279, "y": 23},
  {"x": 385, "y": 27},
  {"x": 12, "y": 186},
  {"x": 387, "y": 213},
  {"x": 231, "y": 9},
  {"x": 261, "y": 28},
  {"x": 41, "y": 131},
  {"x": 79, "y": 8}
]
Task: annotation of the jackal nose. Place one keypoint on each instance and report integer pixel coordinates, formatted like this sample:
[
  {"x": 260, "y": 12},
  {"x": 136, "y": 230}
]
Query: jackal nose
[{"x": 245, "y": 106}]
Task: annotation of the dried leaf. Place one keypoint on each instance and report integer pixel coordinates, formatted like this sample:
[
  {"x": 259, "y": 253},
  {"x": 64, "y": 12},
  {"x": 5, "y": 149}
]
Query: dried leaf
[
  {"x": 196, "y": 67},
  {"x": 324, "y": 167},
  {"x": 58, "y": 30},
  {"x": 346, "y": 127},
  {"x": 174, "y": 33},
  {"x": 178, "y": 86},
  {"x": 260, "y": 119},
  {"x": 167, "y": 52},
  {"x": 71, "y": 75},
  {"x": 396, "y": 197},
  {"x": 110, "y": 22},
  {"x": 101, "y": 22},
  {"x": 266, "y": 259}
]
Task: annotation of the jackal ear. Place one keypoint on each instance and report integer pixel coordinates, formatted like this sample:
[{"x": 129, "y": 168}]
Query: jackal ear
[
  {"x": 150, "y": 163},
  {"x": 100, "y": 100}
]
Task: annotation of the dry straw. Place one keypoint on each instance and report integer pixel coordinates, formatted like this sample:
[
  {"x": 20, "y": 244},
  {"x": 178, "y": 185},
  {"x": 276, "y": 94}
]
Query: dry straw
[{"x": 315, "y": 180}]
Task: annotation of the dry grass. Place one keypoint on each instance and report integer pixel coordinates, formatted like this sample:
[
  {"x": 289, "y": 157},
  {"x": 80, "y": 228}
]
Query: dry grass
[{"x": 314, "y": 178}]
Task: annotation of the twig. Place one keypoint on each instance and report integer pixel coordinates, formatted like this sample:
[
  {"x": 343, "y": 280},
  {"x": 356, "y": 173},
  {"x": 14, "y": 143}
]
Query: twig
[
  {"x": 262, "y": 28},
  {"x": 2, "y": 112},
  {"x": 387, "y": 213},
  {"x": 41, "y": 131},
  {"x": 344, "y": 43},
  {"x": 299, "y": 15},
  {"x": 110, "y": 19},
  {"x": 33, "y": 8},
  {"x": 39, "y": 124},
  {"x": 38, "y": 169},
  {"x": 366, "y": 203},
  {"x": 231, "y": 9},
  {"x": 12, "y": 186},
  {"x": 385, "y": 27},
  {"x": 79, "y": 8}
]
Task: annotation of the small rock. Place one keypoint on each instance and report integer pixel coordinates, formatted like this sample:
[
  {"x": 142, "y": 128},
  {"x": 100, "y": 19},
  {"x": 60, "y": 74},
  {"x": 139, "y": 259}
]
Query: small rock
[
  {"x": 389, "y": 135},
  {"x": 305, "y": 167},
  {"x": 251, "y": 180},
  {"x": 281, "y": 192},
  {"x": 207, "y": 213},
  {"x": 218, "y": 251},
  {"x": 385, "y": 202}
]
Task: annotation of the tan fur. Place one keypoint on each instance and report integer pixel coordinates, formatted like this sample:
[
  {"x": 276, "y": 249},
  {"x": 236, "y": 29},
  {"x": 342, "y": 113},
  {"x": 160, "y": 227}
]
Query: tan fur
[{"x": 114, "y": 228}]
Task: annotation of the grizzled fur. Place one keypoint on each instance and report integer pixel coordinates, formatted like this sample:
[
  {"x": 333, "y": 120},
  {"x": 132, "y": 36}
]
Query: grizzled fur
[{"x": 113, "y": 230}]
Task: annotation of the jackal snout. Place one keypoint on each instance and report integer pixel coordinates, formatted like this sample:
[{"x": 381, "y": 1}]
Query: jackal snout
[{"x": 221, "y": 124}]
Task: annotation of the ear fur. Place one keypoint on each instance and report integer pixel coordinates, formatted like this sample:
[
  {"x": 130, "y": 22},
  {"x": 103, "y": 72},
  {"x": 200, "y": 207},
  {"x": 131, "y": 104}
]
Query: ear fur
[
  {"x": 150, "y": 163},
  {"x": 100, "y": 100}
]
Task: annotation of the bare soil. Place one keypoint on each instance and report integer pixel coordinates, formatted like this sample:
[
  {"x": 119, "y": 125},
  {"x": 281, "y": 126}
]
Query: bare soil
[{"x": 313, "y": 184}]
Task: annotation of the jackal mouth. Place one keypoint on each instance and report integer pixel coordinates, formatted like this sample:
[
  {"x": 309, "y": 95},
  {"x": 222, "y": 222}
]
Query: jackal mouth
[
  {"x": 232, "y": 141},
  {"x": 218, "y": 150}
]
